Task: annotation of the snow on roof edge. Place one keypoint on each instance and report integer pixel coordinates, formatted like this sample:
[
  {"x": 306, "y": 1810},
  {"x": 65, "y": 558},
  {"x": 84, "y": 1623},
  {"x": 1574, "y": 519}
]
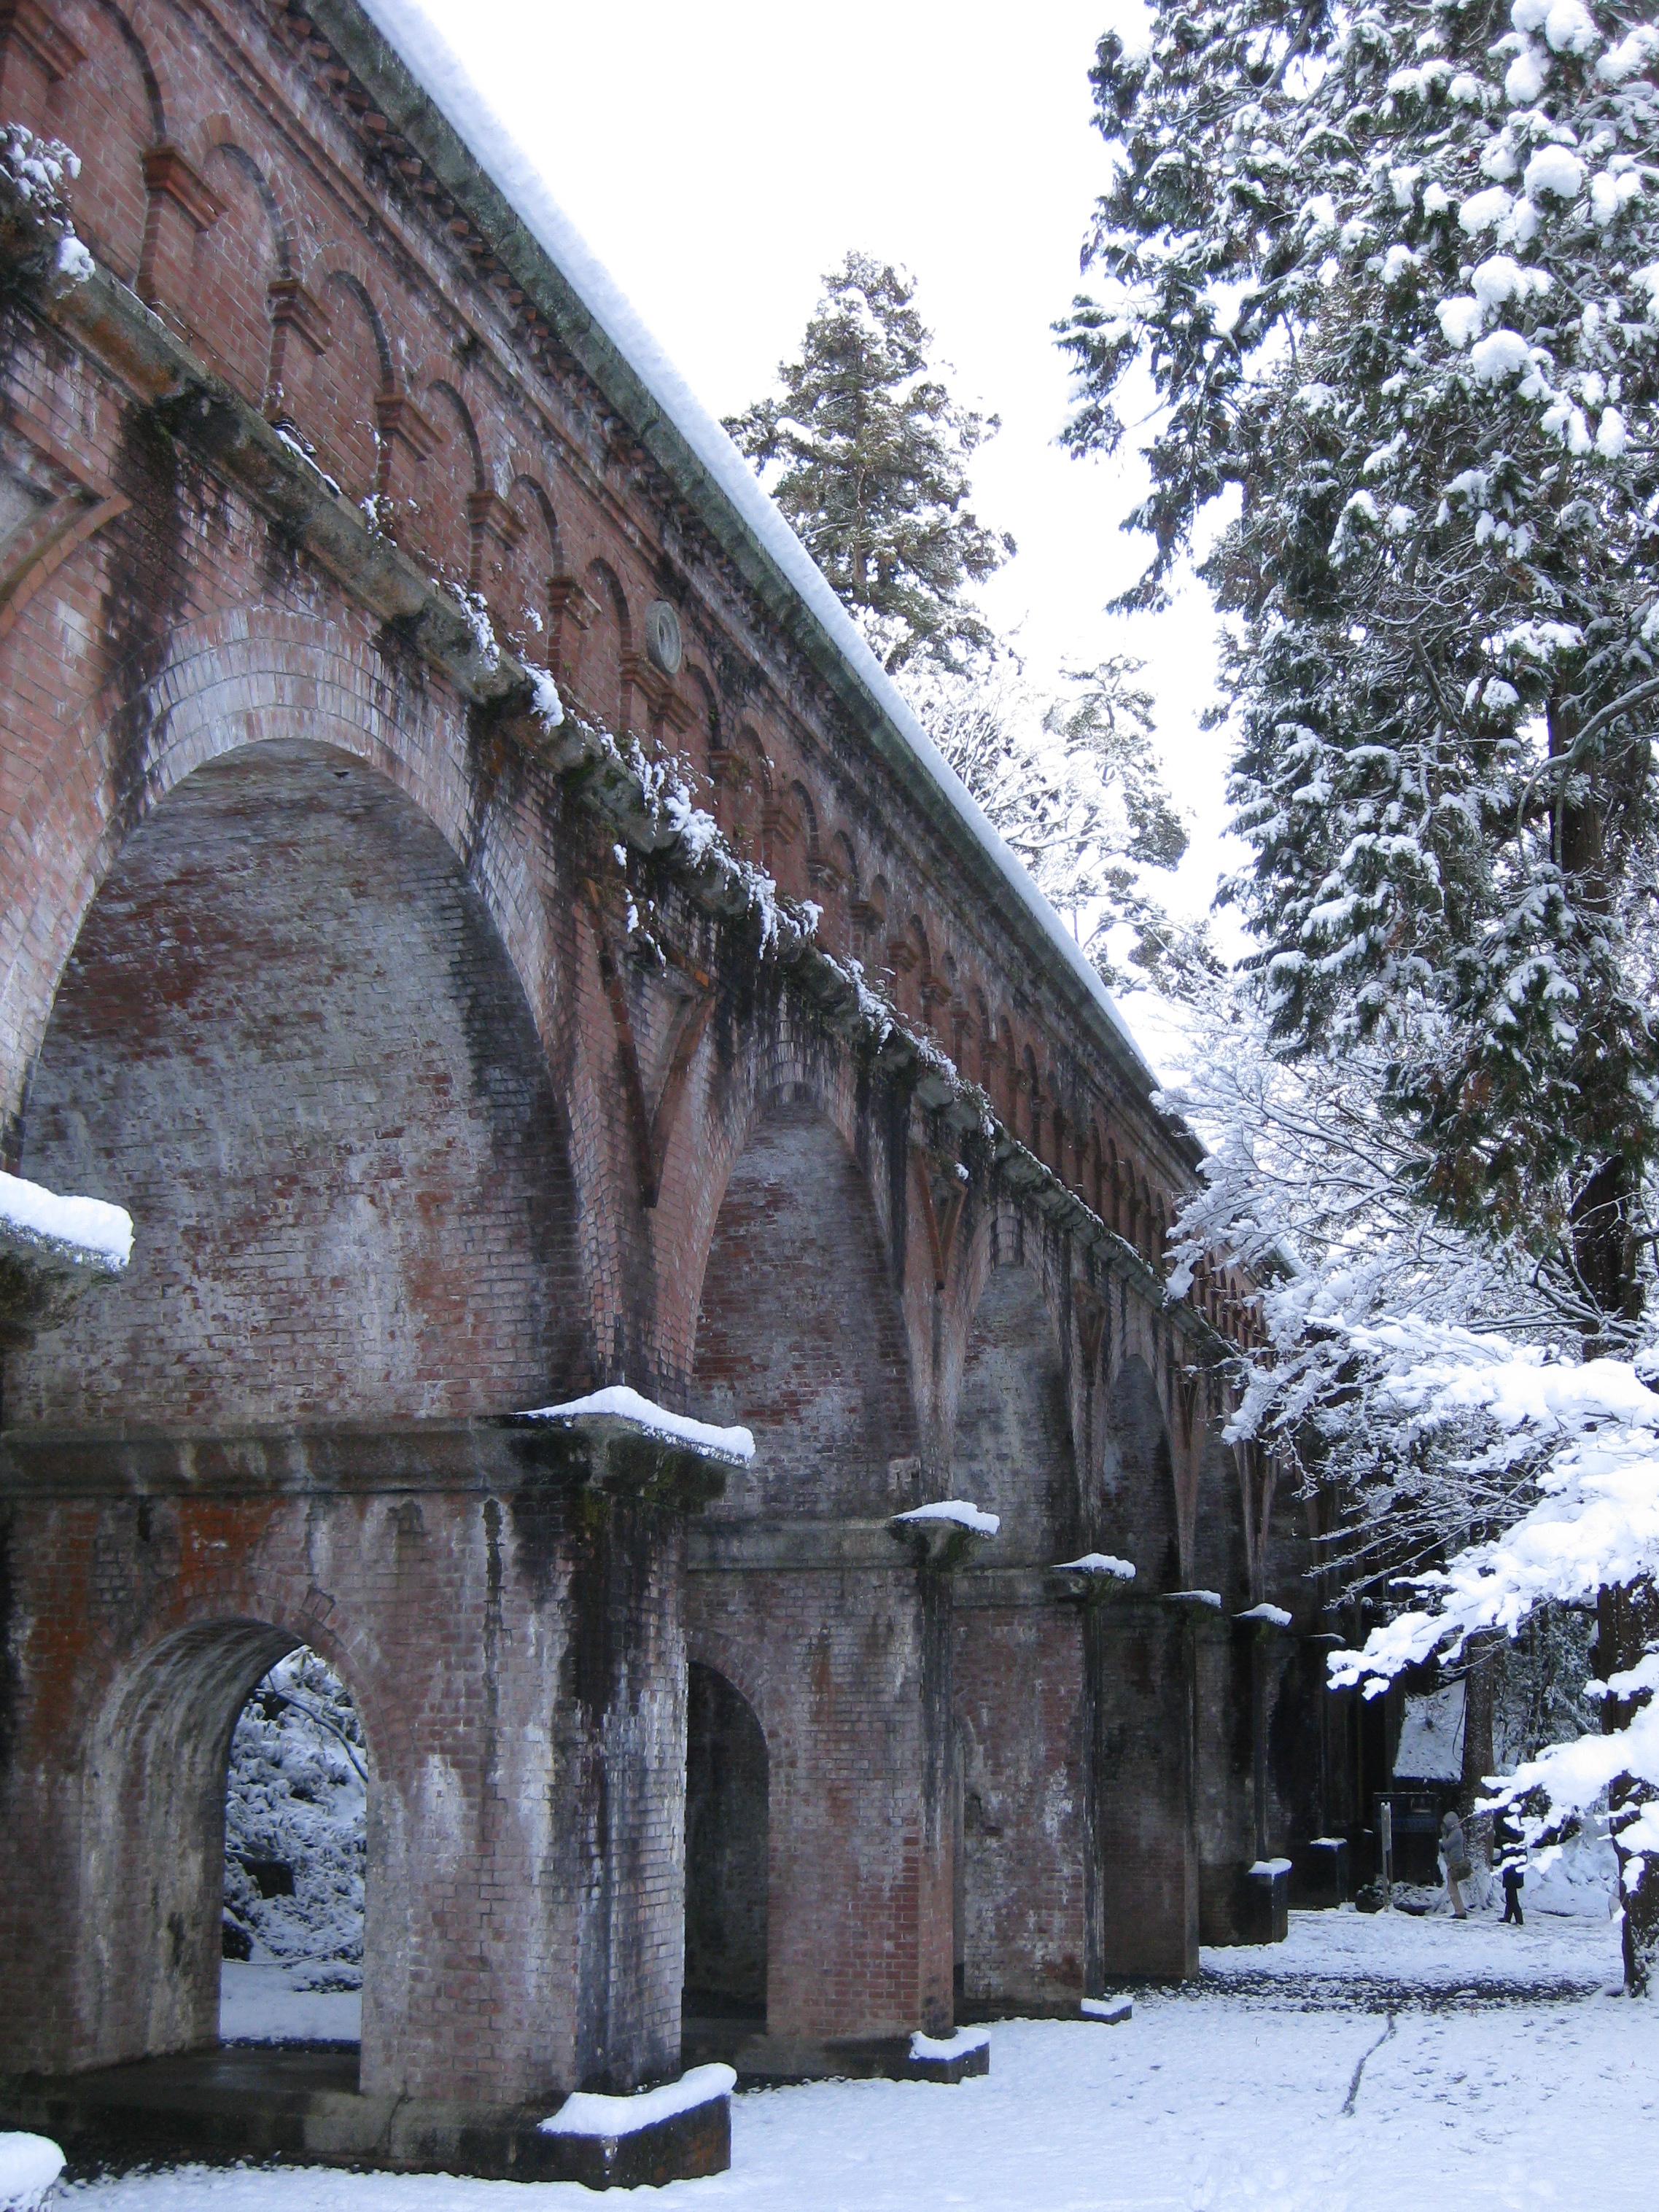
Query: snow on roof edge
[{"x": 425, "y": 52}]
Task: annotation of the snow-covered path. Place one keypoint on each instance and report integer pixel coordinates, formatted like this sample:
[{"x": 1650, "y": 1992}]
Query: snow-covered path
[{"x": 1508, "y": 2079}]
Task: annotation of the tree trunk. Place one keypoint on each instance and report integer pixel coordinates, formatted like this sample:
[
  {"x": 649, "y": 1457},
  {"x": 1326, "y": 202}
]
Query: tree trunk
[
  {"x": 1484, "y": 1656},
  {"x": 1604, "y": 1248},
  {"x": 1627, "y": 1621}
]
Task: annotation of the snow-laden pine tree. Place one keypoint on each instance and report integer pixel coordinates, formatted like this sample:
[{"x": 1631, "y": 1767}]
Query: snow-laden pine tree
[
  {"x": 1073, "y": 784},
  {"x": 867, "y": 454},
  {"x": 1309, "y": 1183},
  {"x": 295, "y": 1799},
  {"x": 1395, "y": 271}
]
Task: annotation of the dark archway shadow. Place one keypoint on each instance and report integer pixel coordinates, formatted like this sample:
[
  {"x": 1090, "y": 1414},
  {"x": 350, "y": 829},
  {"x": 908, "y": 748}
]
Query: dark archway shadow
[{"x": 726, "y": 1852}]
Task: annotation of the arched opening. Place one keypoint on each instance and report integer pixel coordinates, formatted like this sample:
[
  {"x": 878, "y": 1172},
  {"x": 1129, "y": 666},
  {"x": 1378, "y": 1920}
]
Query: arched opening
[
  {"x": 1138, "y": 1499},
  {"x": 154, "y": 1834},
  {"x": 726, "y": 1823},
  {"x": 291, "y": 1042},
  {"x": 296, "y": 1793},
  {"x": 1018, "y": 1672}
]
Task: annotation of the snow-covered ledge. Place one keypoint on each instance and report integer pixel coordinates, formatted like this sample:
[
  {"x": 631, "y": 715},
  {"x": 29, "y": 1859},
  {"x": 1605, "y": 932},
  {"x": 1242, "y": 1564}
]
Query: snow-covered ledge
[
  {"x": 1090, "y": 1580},
  {"x": 51, "y": 1249},
  {"x": 942, "y": 1535},
  {"x": 1263, "y": 1620},
  {"x": 681, "y": 2130},
  {"x": 629, "y": 1443},
  {"x": 1197, "y": 1601}
]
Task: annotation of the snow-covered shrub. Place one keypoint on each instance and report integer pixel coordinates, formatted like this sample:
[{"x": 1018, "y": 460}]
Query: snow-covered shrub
[
  {"x": 35, "y": 174},
  {"x": 295, "y": 1799}
]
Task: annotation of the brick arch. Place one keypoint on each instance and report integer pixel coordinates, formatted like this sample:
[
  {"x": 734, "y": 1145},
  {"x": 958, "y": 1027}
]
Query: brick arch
[
  {"x": 230, "y": 680},
  {"x": 111, "y": 110},
  {"x": 801, "y": 1331},
  {"x": 703, "y": 734},
  {"x": 445, "y": 492},
  {"x": 1013, "y": 1429},
  {"x": 751, "y": 1062},
  {"x": 151, "y": 1831},
  {"x": 290, "y": 1041},
  {"x": 519, "y": 555},
  {"x": 729, "y": 1761},
  {"x": 727, "y": 1655},
  {"x": 247, "y": 249},
  {"x": 607, "y": 649},
  {"x": 1139, "y": 1515},
  {"x": 340, "y": 267}
]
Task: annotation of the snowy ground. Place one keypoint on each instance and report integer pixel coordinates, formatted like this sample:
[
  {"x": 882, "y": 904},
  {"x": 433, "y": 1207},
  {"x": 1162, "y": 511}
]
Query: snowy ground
[
  {"x": 257, "y": 2003},
  {"x": 1496, "y": 2072}
]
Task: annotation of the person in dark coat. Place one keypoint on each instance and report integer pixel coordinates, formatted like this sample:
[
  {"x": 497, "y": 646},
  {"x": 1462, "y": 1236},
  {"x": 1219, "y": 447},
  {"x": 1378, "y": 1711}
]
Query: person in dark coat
[
  {"x": 1455, "y": 1853},
  {"x": 1511, "y": 1867}
]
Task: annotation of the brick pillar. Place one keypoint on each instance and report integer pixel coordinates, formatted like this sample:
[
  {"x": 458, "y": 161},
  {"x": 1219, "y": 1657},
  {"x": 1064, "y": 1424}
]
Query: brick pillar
[
  {"x": 841, "y": 1647},
  {"x": 1143, "y": 1685},
  {"x": 515, "y": 1646},
  {"x": 181, "y": 205},
  {"x": 1019, "y": 1688},
  {"x": 1227, "y": 1812}
]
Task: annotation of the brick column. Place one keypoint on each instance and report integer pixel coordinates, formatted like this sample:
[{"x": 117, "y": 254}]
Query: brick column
[{"x": 1143, "y": 1681}]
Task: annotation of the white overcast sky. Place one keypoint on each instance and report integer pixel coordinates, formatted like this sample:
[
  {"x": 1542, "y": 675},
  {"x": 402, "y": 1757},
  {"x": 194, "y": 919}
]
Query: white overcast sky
[{"x": 720, "y": 157}]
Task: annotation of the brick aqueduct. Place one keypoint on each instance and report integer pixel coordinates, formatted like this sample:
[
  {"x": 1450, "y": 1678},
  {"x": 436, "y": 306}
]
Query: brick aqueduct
[{"x": 449, "y": 1068}]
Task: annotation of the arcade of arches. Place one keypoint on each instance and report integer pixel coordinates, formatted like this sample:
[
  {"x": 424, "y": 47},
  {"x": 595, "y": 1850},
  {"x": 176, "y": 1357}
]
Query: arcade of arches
[{"x": 450, "y": 1076}]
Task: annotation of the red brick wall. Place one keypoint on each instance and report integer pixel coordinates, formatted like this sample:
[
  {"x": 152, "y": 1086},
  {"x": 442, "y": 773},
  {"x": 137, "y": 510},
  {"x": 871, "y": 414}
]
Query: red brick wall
[
  {"x": 800, "y": 1336},
  {"x": 1023, "y": 1749},
  {"x": 350, "y": 1031},
  {"x": 290, "y": 1043},
  {"x": 517, "y": 1667}
]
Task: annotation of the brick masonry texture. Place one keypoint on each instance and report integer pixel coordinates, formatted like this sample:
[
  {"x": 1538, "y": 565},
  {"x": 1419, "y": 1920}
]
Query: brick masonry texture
[{"x": 432, "y": 1101}]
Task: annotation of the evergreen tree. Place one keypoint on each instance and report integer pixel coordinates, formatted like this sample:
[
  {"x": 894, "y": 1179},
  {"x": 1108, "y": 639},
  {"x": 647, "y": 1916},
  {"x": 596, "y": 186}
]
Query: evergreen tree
[
  {"x": 1072, "y": 784},
  {"x": 867, "y": 455},
  {"x": 1395, "y": 270}
]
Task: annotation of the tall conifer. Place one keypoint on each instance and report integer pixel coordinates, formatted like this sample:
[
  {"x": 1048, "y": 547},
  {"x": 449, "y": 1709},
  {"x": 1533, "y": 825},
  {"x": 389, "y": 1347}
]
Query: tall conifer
[
  {"x": 867, "y": 454},
  {"x": 1394, "y": 269}
]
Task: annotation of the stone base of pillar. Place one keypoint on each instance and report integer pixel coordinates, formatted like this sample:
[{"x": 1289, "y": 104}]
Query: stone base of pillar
[
  {"x": 774, "y": 2062},
  {"x": 1319, "y": 1874},
  {"x": 1243, "y": 1903},
  {"x": 1269, "y": 1886},
  {"x": 302, "y": 2106}
]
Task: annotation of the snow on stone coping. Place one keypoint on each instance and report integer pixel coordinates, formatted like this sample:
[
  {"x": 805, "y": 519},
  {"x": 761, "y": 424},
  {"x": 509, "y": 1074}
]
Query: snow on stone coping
[
  {"x": 949, "y": 2046},
  {"x": 737, "y": 1445},
  {"x": 29, "y": 2165},
  {"x": 428, "y": 55},
  {"x": 958, "y": 1510},
  {"x": 1097, "y": 1563},
  {"x": 588, "y": 2113},
  {"x": 1200, "y": 1597},
  {"x": 1275, "y": 1615},
  {"x": 1270, "y": 1866},
  {"x": 84, "y": 1224}
]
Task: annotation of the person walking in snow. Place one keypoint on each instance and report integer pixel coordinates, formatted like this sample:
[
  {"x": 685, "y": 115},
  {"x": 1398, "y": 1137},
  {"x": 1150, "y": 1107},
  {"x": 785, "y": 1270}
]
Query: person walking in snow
[
  {"x": 1511, "y": 1867},
  {"x": 1455, "y": 1853}
]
